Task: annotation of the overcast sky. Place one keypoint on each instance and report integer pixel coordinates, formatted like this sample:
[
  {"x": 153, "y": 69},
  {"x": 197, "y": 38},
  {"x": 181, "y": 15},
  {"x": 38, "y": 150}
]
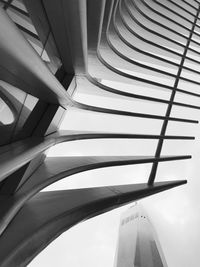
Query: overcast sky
[{"x": 174, "y": 214}]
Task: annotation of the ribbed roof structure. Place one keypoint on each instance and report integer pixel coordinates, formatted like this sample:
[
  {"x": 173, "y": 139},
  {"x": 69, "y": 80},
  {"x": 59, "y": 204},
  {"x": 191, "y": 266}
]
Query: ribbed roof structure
[{"x": 142, "y": 51}]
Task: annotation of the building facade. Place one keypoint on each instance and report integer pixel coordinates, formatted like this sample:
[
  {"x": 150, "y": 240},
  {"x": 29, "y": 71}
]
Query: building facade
[
  {"x": 138, "y": 244},
  {"x": 144, "y": 52}
]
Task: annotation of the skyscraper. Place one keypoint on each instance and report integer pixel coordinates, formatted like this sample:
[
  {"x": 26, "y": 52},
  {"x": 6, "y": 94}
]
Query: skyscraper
[
  {"x": 138, "y": 244},
  {"x": 141, "y": 55}
]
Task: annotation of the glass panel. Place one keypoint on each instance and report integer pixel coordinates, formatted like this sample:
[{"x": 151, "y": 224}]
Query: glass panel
[
  {"x": 160, "y": 6},
  {"x": 6, "y": 114},
  {"x": 150, "y": 75},
  {"x": 37, "y": 37},
  {"x": 197, "y": 29},
  {"x": 143, "y": 45},
  {"x": 195, "y": 36},
  {"x": 188, "y": 86},
  {"x": 121, "y": 103},
  {"x": 177, "y": 147},
  {"x": 174, "y": 170},
  {"x": 181, "y": 147},
  {"x": 193, "y": 3},
  {"x": 140, "y": 88},
  {"x": 94, "y": 121},
  {"x": 188, "y": 99},
  {"x": 26, "y": 111},
  {"x": 183, "y": 112},
  {"x": 193, "y": 76},
  {"x": 104, "y": 177},
  {"x": 152, "y": 36},
  {"x": 138, "y": 56},
  {"x": 192, "y": 65},
  {"x": 108, "y": 147},
  {"x": 186, "y": 7},
  {"x": 193, "y": 55},
  {"x": 19, "y": 4},
  {"x": 194, "y": 46},
  {"x": 163, "y": 20},
  {"x": 34, "y": 42},
  {"x": 21, "y": 105},
  {"x": 21, "y": 19},
  {"x": 178, "y": 9},
  {"x": 154, "y": 26}
]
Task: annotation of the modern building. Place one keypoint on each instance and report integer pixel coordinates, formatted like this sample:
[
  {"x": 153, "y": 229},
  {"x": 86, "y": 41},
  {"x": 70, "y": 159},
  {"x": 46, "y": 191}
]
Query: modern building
[
  {"x": 132, "y": 64},
  {"x": 138, "y": 244}
]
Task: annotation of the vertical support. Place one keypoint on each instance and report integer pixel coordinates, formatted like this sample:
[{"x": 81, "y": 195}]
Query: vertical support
[{"x": 169, "y": 108}]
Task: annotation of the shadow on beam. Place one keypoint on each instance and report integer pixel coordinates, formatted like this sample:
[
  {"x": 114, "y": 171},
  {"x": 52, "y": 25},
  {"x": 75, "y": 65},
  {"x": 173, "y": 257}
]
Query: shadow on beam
[
  {"x": 49, "y": 214},
  {"x": 54, "y": 169},
  {"x": 21, "y": 152}
]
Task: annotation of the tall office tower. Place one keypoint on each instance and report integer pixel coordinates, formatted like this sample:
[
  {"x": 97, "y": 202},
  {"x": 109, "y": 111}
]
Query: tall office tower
[
  {"x": 138, "y": 245},
  {"x": 123, "y": 73}
]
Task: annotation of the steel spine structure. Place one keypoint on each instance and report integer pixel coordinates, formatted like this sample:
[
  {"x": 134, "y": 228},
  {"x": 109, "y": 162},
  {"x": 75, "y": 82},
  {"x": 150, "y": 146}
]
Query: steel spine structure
[{"x": 49, "y": 49}]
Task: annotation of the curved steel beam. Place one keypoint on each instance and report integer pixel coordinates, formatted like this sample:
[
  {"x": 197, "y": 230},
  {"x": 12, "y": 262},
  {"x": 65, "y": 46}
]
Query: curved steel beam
[
  {"x": 55, "y": 169},
  {"x": 172, "y": 10},
  {"x": 127, "y": 113},
  {"x": 177, "y": 27},
  {"x": 23, "y": 213},
  {"x": 152, "y": 6},
  {"x": 22, "y": 67},
  {"x": 124, "y": 74},
  {"x": 92, "y": 45},
  {"x": 147, "y": 28},
  {"x": 153, "y": 43},
  {"x": 141, "y": 38},
  {"x": 151, "y": 55},
  {"x": 146, "y": 11},
  {"x": 11, "y": 101},
  {"x": 21, "y": 152},
  {"x": 114, "y": 27},
  {"x": 49, "y": 214}
]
